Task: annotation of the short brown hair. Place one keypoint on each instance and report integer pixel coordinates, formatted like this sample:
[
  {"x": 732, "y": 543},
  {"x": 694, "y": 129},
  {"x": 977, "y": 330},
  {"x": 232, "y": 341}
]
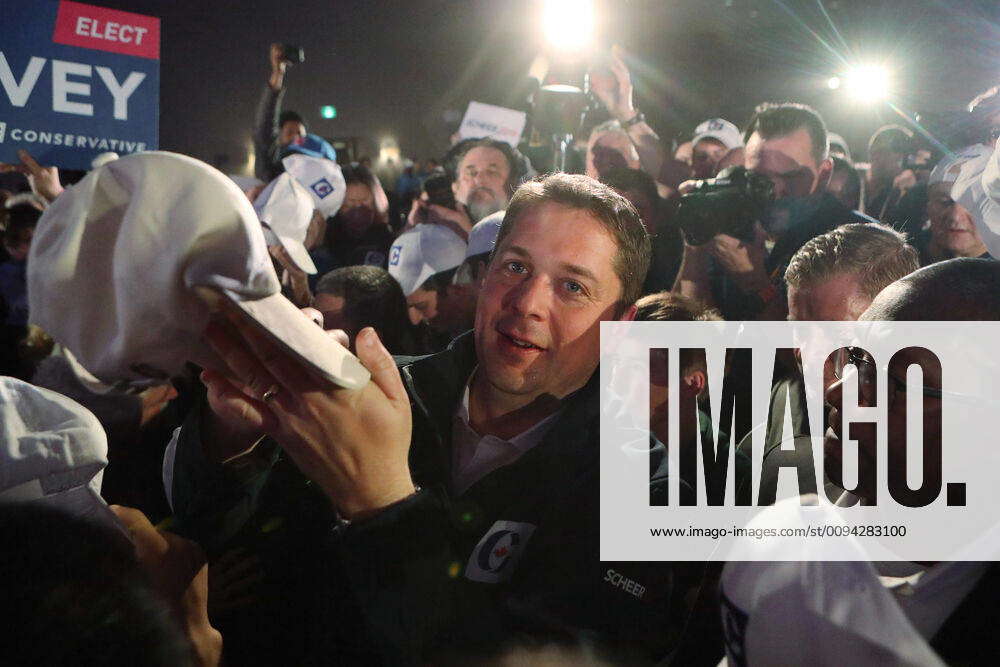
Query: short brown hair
[
  {"x": 671, "y": 307},
  {"x": 618, "y": 216},
  {"x": 877, "y": 255},
  {"x": 772, "y": 120}
]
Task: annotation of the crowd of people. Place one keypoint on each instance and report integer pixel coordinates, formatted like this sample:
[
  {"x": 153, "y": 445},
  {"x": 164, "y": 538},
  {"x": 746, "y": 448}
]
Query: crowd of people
[{"x": 190, "y": 481}]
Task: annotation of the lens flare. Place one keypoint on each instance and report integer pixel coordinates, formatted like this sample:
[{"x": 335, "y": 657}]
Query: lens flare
[
  {"x": 568, "y": 24},
  {"x": 867, "y": 83}
]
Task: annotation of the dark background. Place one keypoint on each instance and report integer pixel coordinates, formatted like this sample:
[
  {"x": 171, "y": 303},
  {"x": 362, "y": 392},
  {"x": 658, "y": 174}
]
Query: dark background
[{"x": 407, "y": 69}]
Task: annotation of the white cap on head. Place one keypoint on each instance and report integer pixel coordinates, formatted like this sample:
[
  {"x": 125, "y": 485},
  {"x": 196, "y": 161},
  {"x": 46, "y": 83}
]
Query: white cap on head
[
  {"x": 971, "y": 188},
  {"x": 285, "y": 209},
  {"x": 948, "y": 168},
  {"x": 127, "y": 265},
  {"x": 422, "y": 252},
  {"x": 320, "y": 177},
  {"x": 52, "y": 450},
  {"x": 484, "y": 234},
  {"x": 721, "y": 130}
]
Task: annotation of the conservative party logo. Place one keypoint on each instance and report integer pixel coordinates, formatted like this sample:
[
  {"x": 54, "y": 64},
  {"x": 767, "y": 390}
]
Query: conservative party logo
[
  {"x": 322, "y": 188},
  {"x": 394, "y": 254},
  {"x": 495, "y": 557}
]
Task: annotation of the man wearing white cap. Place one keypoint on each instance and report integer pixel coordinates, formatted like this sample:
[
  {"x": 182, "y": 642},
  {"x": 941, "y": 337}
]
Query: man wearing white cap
[
  {"x": 456, "y": 303},
  {"x": 53, "y": 453},
  {"x": 711, "y": 141},
  {"x": 418, "y": 259},
  {"x": 951, "y": 229},
  {"x": 285, "y": 209}
]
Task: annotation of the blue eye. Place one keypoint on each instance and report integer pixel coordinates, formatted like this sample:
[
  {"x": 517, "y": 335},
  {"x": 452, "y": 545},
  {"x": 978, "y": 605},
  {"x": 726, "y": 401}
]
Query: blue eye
[{"x": 574, "y": 287}]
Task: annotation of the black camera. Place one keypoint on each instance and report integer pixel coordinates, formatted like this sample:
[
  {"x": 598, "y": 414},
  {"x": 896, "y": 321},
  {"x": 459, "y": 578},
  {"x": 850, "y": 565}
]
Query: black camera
[
  {"x": 729, "y": 204},
  {"x": 293, "y": 54}
]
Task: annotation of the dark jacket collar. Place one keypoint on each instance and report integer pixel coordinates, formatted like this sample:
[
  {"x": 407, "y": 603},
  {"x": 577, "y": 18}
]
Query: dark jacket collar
[{"x": 436, "y": 383}]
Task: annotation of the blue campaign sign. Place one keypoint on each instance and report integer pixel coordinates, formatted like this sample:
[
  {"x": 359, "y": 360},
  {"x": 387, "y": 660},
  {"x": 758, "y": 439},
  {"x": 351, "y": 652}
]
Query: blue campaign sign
[{"x": 77, "y": 80}]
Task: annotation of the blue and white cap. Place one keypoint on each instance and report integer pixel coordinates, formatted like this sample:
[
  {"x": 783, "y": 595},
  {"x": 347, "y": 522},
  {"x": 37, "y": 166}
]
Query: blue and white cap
[
  {"x": 423, "y": 251},
  {"x": 312, "y": 145},
  {"x": 323, "y": 180}
]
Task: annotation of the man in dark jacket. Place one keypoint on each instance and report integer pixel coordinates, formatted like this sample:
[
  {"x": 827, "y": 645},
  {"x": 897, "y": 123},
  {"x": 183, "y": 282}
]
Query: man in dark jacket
[
  {"x": 274, "y": 130},
  {"x": 500, "y": 432},
  {"x": 787, "y": 143}
]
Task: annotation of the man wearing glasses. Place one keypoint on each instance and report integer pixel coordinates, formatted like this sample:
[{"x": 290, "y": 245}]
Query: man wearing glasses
[
  {"x": 788, "y": 144},
  {"x": 954, "y": 290}
]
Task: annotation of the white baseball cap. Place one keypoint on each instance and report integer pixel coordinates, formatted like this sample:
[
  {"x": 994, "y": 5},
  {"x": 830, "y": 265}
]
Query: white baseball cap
[
  {"x": 52, "y": 450},
  {"x": 418, "y": 254},
  {"x": 126, "y": 267},
  {"x": 719, "y": 129},
  {"x": 484, "y": 234},
  {"x": 320, "y": 177},
  {"x": 977, "y": 178},
  {"x": 285, "y": 209},
  {"x": 948, "y": 168}
]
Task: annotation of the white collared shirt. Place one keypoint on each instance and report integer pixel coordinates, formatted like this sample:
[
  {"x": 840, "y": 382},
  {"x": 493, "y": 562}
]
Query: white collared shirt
[{"x": 474, "y": 456}]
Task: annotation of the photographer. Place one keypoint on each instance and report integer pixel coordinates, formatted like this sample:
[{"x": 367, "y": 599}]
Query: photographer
[
  {"x": 275, "y": 129},
  {"x": 787, "y": 144}
]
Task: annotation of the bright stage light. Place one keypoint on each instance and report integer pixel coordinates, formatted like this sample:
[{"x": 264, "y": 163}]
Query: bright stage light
[
  {"x": 568, "y": 24},
  {"x": 868, "y": 83},
  {"x": 833, "y": 83}
]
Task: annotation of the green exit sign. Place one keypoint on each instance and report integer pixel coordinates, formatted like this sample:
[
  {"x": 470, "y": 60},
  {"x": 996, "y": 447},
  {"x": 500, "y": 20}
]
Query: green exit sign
[{"x": 328, "y": 112}]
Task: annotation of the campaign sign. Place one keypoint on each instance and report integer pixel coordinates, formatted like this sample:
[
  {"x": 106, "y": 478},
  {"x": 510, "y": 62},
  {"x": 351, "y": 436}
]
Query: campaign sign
[
  {"x": 77, "y": 80},
  {"x": 486, "y": 120}
]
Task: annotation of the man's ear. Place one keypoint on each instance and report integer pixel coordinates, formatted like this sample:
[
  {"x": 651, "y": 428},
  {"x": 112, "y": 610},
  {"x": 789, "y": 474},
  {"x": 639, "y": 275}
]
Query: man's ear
[
  {"x": 629, "y": 314},
  {"x": 824, "y": 175},
  {"x": 694, "y": 383}
]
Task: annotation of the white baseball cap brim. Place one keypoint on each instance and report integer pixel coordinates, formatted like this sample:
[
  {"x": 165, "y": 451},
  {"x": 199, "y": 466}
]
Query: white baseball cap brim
[
  {"x": 122, "y": 261},
  {"x": 719, "y": 129}
]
